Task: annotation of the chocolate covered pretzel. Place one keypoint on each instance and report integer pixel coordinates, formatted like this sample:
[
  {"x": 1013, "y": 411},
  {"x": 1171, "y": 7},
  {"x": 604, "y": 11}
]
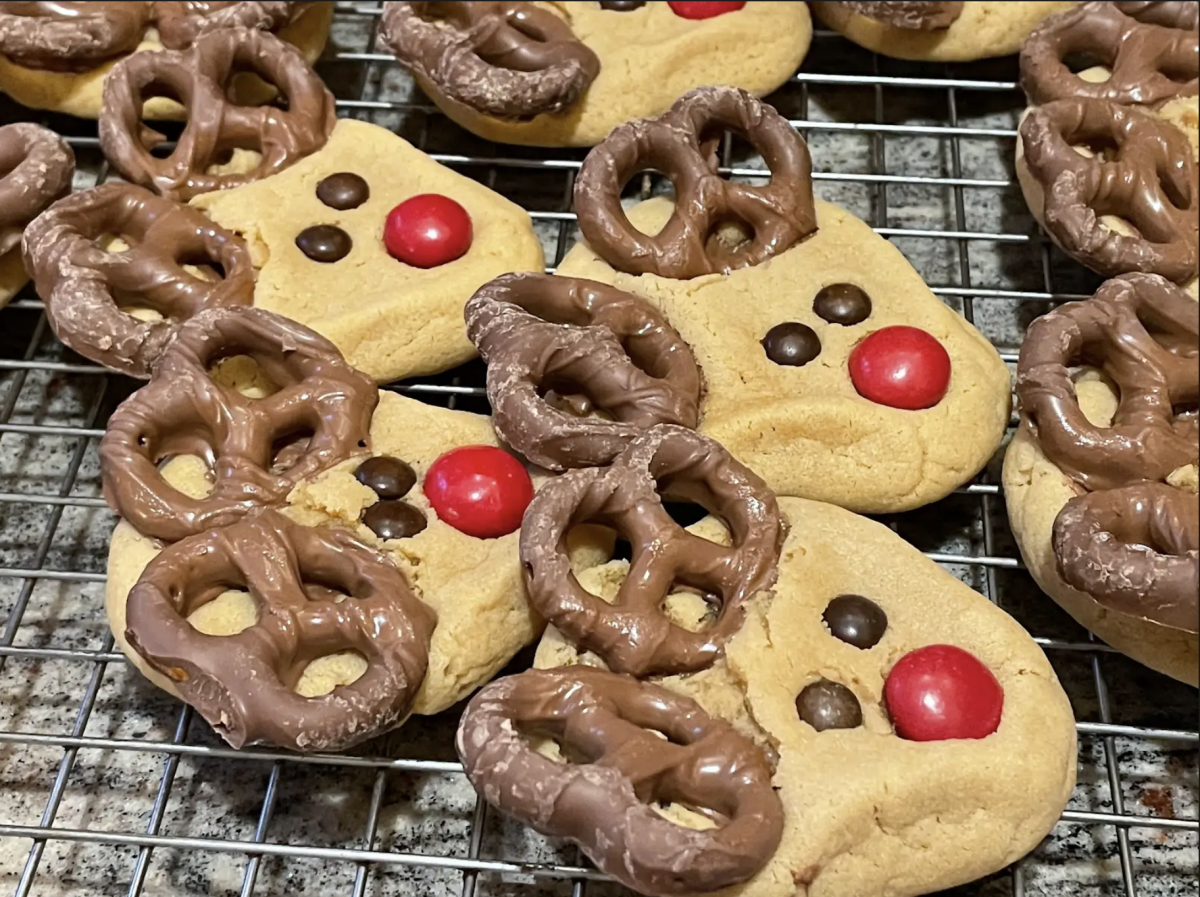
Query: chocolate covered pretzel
[
  {"x": 588, "y": 341},
  {"x": 247, "y": 443},
  {"x": 508, "y": 59},
  {"x": 1149, "y": 180},
  {"x": 627, "y": 745},
  {"x": 180, "y": 22},
  {"x": 1135, "y": 550},
  {"x": 908, "y": 14},
  {"x": 88, "y": 285},
  {"x": 681, "y": 144},
  {"x": 70, "y": 36},
  {"x": 318, "y": 592},
  {"x": 199, "y": 78},
  {"x": 633, "y": 635},
  {"x": 36, "y": 167},
  {"x": 1144, "y": 333},
  {"x": 1150, "y": 61}
]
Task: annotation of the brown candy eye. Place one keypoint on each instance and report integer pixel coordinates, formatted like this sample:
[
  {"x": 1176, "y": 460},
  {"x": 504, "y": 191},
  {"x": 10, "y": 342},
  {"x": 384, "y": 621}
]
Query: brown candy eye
[
  {"x": 324, "y": 243},
  {"x": 344, "y": 190},
  {"x": 394, "y": 520},
  {"x": 791, "y": 344},
  {"x": 829, "y": 705},
  {"x": 842, "y": 303},
  {"x": 387, "y": 477},
  {"x": 856, "y": 620},
  {"x": 622, "y": 5}
]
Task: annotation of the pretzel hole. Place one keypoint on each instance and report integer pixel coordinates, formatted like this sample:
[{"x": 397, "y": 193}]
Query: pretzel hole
[
  {"x": 696, "y": 818},
  {"x": 244, "y": 374},
  {"x": 321, "y": 676},
  {"x": 228, "y": 613},
  {"x": 191, "y": 475},
  {"x": 288, "y": 448}
]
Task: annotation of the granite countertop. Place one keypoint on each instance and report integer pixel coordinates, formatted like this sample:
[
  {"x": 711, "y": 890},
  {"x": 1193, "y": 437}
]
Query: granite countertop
[{"x": 59, "y": 683}]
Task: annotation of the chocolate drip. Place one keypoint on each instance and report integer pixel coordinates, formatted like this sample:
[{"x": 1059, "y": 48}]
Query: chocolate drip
[
  {"x": 680, "y": 144},
  {"x": 911, "y": 16},
  {"x": 540, "y": 333},
  {"x": 36, "y": 167},
  {"x": 507, "y": 59},
  {"x": 244, "y": 684},
  {"x": 633, "y": 635},
  {"x": 182, "y": 410},
  {"x": 607, "y": 723},
  {"x": 86, "y": 287}
]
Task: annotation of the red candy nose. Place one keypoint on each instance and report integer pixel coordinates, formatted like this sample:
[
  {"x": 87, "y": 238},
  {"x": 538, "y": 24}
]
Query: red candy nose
[
  {"x": 942, "y": 692},
  {"x": 427, "y": 230},
  {"x": 901, "y": 367},
  {"x": 479, "y": 490},
  {"x": 702, "y": 9}
]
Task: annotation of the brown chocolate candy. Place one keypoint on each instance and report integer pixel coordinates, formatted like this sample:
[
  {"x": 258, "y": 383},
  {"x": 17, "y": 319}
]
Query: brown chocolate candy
[
  {"x": 508, "y": 59},
  {"x": 70, "y": 36},
  {"x": 1149, "y": 180},
  {"x": 681, "y": 144},
  {"x": 36, "y": 167},
  {"x": 567, "y": 335},
  {"x": 386, "y": 476},
  {"x": 1150, "y": 63},
  {"x": 245, "y": 684},
  {"x": 181, "y": 22},
  {"x": 622, "y": 5},
  {"x": 842, "y": 303},
  {"x": 1144, "y": 333},
  {"x": 632, "y": 635},
  {"x": 826, "y": 704},
  {"x": 87, "y": 287},
  {"x": 200, "y": 78},
  {"x": 855, "y": 620},
  {"x": 343, "y": 190},
  {"x": 182, "y": 410},
  {"x": 1135, "y": 551},
  {"x": 908, "y": 14},
  {"x": 324, "y": 243},
  {"x": 617, "y": 767},
  {"x": 394, "y": 520},
  {"x": 791, "y": 344}
]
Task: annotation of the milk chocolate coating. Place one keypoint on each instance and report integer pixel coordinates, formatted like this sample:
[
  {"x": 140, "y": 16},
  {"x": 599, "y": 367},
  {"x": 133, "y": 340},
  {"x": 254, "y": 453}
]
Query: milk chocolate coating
[
  {"x": 911, "y": 16},
  {"x": 36, "y": 167},
  {"x": 183, "y": 411},
  {"x": 567, "y": 335},
  {"x": 85, "y": 287},
  {"x": 681, "y": 144},
  {"x": 633, "y": 635},
  {"x": 600, "y": 797},
  {"x": 180, "y": 22},
  {"x": 1171, "y": 13},
  {"x": 200, "y": 77},
  {"x": 1135, "y": 551},
  {"x": 70, "y": 36},
  {"x": 1150, "y": 63},
  {"x": 1150, "y": 181},
  {"x": 507, "y": 59},
  {"x": 244, "y": 684},
  {"x": 1144, "y": 333}
]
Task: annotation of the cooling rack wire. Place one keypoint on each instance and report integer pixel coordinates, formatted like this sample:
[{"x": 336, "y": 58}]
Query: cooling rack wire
[{"x": 110, "y": 788}]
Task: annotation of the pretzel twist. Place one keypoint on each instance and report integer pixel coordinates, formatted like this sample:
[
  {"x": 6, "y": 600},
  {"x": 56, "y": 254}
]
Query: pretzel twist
[
  {"x": 36, "y": 166},
  {"x": 69, "y": 36},
  {"x": 616, "y": 766},
  {"x": 245, "y": 684},
  {"x": 183, "y": 410},
  {"x": 578, "y": 337}
]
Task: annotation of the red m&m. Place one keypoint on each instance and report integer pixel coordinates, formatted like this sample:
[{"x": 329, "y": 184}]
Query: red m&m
[
  {"x": 901, "y": 367},
  {"x": 427, "y": 230},
  {"x": 702, "y": 9},
  {"x": 479, "y": 490},
  {"x": 942, "y": 692}
]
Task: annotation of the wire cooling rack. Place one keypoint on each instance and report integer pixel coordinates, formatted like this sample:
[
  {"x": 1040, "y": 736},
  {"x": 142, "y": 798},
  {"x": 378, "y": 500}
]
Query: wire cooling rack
[{"x": 108, "y": 787}]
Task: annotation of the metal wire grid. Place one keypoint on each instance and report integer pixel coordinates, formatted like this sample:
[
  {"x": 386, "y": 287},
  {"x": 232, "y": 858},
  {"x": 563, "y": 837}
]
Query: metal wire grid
[{"x": 35, "y": 365}]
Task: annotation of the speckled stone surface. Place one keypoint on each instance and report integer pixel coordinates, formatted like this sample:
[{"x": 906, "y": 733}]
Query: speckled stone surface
[{"x": 59, "y": 681}]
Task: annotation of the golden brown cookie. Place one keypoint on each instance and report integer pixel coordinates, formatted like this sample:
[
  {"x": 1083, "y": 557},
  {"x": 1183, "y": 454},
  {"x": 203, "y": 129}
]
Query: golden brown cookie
[
  {"x": 648, "y": 56},
  {"x": 822, "y": 671}
]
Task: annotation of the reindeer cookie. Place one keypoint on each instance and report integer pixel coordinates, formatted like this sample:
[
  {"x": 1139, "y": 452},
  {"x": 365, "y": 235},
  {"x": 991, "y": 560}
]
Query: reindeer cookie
[
  {"x": 817, "y": 355},
  {"x": 789, "y": 639},
  {"x": 317, "y": 559},
  {"x": 565, "y": 74},
  {"x": 1106, "y": 156},
  {"x": 56, "y": 56}
]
